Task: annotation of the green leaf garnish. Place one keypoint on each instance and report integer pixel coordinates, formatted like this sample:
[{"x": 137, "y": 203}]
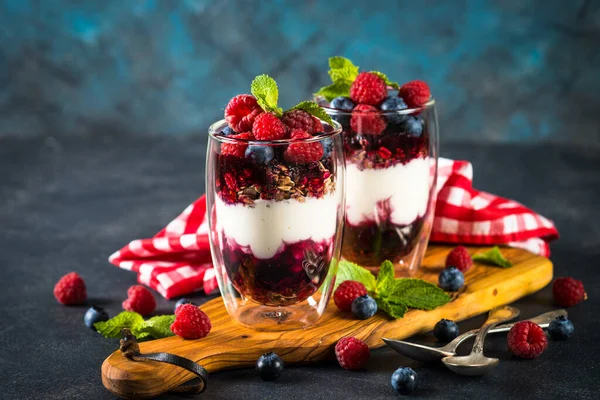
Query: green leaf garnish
[
  {"x": 334, "y": 90},
  {"x": 391, "y": 309},
  {"x": 493, "y": 256},
  {"x": 156, "y": 327},
  {"x": 313, "y": 109},
  {"x": 394, "y": 85},
  {"x": 385, "y": 279},
  {"x": 264, "y": 88},
  {"x": 348, "y": 271},
  {"x": 417, "y": 293},
  {"x": 112, "y": 327},
  {"x": 342, "y": 73}
]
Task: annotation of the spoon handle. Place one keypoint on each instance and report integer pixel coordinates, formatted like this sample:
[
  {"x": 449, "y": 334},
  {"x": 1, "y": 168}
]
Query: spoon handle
[
  {"x": 543, "y": 320},
  {"x": 497, "y": 316}
]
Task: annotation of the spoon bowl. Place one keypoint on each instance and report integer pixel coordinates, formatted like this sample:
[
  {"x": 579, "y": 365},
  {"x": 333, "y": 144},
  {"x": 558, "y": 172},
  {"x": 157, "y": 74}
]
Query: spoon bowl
[{"x": 470, "y": 366}]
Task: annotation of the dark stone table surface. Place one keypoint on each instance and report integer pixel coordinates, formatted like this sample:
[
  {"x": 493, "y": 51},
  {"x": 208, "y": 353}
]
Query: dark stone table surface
[{"x": 66, "y": 204}]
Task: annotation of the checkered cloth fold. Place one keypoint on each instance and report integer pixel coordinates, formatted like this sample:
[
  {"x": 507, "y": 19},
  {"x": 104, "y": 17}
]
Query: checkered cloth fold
[{"x": 177, "y": 260}]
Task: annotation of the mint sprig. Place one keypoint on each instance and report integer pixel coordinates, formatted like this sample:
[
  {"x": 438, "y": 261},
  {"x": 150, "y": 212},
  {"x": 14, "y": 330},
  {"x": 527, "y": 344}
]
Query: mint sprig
[
  {"x": 394, "y": 296},
  {"x": 342, "y": 73},
  {"x": 313, "y": 109},
  {"x": 264, "y": 88},
  {"x": 493, "y": 256},
  {"x": 154, "y": 328}
]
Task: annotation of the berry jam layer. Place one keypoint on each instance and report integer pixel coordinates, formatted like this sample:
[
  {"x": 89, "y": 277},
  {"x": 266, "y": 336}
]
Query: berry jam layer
[
  {"x": 292, "y": 275},
  {"x": 370, "y": 243}
]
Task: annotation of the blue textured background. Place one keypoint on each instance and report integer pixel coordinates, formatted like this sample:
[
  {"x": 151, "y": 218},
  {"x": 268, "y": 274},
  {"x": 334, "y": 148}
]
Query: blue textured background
[{"x": 501, "y": 70}]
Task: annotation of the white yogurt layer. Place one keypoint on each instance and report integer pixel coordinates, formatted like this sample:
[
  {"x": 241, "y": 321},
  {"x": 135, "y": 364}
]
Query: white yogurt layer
[
  {"x": 269, "y": 224},
  {"x": 407, "y": 187}
]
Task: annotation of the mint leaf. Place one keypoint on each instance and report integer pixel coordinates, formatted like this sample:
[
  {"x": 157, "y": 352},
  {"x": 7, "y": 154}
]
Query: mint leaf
[
  {"x": 417, "y": 293},
  {"x": 394, "y": 85},
  {"x": 112, "y": 327},
  {"x": 157, "y": 327},
  {"x": 393, "y": 310},
  {"x": 313, "y": 109},
  {"x": 348, "y": 271},
  {"x": 493, "y": 256},
  {"x": 334, "y": 90},
  {"x": 385, "y": 279},
  {"x": 264, "y": 88},
  {"x": 341, "y": 69}
]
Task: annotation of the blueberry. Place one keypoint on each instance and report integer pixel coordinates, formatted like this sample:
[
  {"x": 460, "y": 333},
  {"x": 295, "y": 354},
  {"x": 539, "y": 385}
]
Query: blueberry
[
  {"x": 561, "y": 328},
  {"x": 327, "y": 147},
  {"x": 342, "y": 103},
  {"x": 227, "y": 131},
  {"x": 445, "y": 330},
  {"x": 269, "y": 366},
  {"x": 412, "y": 126},
  {"x": 183, "y": 301},
  {"x": 260, "y": 154},
  {"x": 451, "y": 279},
  {"x": 393, "y": 103},
  {"x": 364, "y": 307},
  {"x": 405, "y": 380},
  {"x": 93, "y": 315}
]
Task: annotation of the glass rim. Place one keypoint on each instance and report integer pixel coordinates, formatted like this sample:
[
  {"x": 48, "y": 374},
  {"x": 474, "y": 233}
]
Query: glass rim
[
  {"x": 215, "y": 128},
  {"x": 334, "y": 111}
]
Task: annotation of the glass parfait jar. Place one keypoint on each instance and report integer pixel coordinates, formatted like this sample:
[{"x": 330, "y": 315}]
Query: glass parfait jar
[
  {"x": 275, "y": 226},
  {"x": 391, "y": 169}
]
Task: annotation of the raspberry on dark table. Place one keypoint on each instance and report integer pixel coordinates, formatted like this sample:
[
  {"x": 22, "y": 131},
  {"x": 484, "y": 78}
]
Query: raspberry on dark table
[
  {"x": 70, "y": 290},
  {"x": 352, "y": 353},
  {"x": 140, "y": 300},
  {"x": 526, "y": 340},
  {"x": 568, "y": 291}
]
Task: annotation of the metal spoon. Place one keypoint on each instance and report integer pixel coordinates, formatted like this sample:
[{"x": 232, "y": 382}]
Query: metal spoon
[
  {"x": 477, "y": 363},
  {"x": 425, "y": 353}
]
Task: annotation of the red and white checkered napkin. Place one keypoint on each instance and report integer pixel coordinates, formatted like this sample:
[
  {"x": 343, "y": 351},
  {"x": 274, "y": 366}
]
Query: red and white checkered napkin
[{"x": 177, "y": 260}]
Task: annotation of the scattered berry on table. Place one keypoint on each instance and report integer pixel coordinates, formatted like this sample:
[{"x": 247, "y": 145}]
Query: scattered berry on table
[
  {"x": 241, "y": 111},
  {"x": 260, "y": 154},
  {"x": 183, "y": 301},
  {"x": 405, "y": 380},
  {"x": 364, "y": 307},
  {"x": 526, "y": 340},
  {"x": 342, "y": 103},
  {"x": 460, "y": 258},
  {"x": 393, "y": 103},
  {"x": 412, "y": 126},
  {"x": 346, "y": 293},
  {"x": 268, "y": 127},
  {"x": 415, "y": 93},
  {"x": 451, "y": 279},
  {"x": 227, "y": 131},
  {"x": 94, "y": 314},
  {"x": 352, "y": 353},
  {"x": 367, "y": 120},
  {"x": 299, "y": 119},
  {"x": 303, "y": 153},
  {"x": 368, "y": 88},
  {"x": 236, "y": 149},
  {"x": 70, "y": 290},
  {"x": 445, "y": 330},
  {"x": 140, "y": 300},
  {"x": 327, "y": 147},
  {"x": 190, "y": 322},
  {"x": 269, "y": 366},
  {"x": 567, "y": 291},
  {"x": 561, "y": 328}
]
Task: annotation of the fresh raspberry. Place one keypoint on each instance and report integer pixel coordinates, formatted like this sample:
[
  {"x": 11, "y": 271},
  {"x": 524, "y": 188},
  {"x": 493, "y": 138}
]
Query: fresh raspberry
[
  {"x": 303, "y": 153},
  {"x": 460, "y": 258},
  {"x": 235, "y": 149},
  {"x": 367, "y": 120},
  {"x": 190, "y": 322},
  {"x": 241, "y": 111},
  {"x": 268, "y": 127},
  {"x": 317, "y": 125},
  {"x": 567, "y": 291},
  {"x": 526, "y": 340},
  {"x": 415, "y": 93},
  {"x": 70, "y": 289},
  {"x": 140, "y": 300},
  {"x": 299, "y": 119},
  {"x": 352, "y": 353},
  {"x": 346, "y": 293},
  {"x": 368, "y": 88}
]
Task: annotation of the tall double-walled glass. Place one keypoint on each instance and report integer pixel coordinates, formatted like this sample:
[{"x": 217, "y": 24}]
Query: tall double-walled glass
[
  {"x": 391, "y": 169},
  {"x": 275, "y": 219}
]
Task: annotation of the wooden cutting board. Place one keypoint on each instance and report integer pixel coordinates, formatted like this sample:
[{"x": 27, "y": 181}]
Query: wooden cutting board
[{"x": 233, "y": 346}]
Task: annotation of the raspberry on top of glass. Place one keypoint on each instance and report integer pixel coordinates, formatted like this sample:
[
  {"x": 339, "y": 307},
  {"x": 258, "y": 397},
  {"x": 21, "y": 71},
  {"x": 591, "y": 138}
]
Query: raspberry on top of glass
[
  {"x": 390, "y": 142},
  {"x": 277, "y": 207}
]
